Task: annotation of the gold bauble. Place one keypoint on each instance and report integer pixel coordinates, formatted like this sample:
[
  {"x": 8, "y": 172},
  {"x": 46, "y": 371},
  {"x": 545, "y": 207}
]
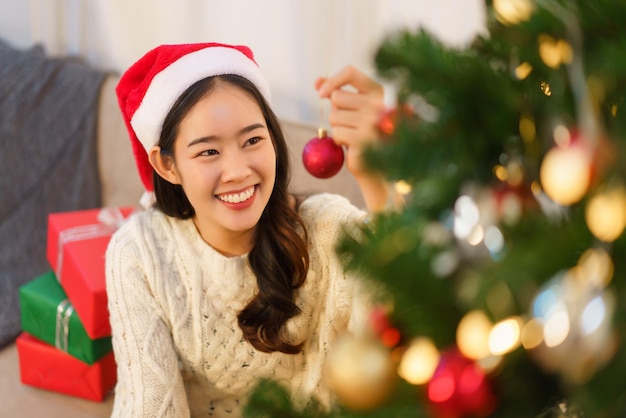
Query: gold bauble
[{"x": 360, "y": 372}]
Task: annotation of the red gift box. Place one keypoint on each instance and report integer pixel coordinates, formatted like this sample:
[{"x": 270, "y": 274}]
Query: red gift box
[
  {"x": 45, "y": 367},
  {"x": 76, "y": 246}
]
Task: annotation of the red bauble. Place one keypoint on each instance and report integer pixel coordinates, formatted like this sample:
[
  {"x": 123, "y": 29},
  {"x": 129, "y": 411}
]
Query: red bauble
[
  {"x": 322, "y": 157},
  {"x": 459, "y": 388}
]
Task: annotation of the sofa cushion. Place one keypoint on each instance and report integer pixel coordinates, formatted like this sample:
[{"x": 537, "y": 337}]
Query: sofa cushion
[
  {"x": 47, "y": 129},
  {"x": 118, "y": 175}
]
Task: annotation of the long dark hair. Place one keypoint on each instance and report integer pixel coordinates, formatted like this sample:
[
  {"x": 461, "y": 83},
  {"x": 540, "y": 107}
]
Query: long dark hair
[{"x": 279, "y": 257}]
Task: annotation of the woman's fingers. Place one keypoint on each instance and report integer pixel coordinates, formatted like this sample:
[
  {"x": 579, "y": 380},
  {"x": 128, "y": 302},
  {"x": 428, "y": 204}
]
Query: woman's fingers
[
  {"x": 348, "y": 76},
  {"x": 357, "y": 111},
  {"x": 356, "y": 103},
  {"x": 318, "y": 82}
]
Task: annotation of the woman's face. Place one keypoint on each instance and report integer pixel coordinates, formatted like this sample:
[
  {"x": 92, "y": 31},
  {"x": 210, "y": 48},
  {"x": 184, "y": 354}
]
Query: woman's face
[{"x": 226, "y": 163}]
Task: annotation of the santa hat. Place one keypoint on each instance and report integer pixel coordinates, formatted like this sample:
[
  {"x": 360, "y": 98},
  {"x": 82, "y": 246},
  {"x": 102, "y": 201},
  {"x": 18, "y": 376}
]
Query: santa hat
[{"x": 149, "y": 88}]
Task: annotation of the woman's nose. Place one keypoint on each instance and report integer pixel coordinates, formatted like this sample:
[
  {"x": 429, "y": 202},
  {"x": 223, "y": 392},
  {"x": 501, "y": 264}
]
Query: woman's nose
[{"x": 235, "y": 167}]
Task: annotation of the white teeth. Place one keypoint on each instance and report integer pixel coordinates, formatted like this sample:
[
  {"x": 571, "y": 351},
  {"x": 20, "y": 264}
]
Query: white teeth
[{"x": 238, "y": 197}]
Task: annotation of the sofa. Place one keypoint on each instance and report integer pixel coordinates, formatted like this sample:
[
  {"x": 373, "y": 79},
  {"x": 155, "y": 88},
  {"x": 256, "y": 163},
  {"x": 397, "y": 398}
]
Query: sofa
[{"x": 119, "y": 185}]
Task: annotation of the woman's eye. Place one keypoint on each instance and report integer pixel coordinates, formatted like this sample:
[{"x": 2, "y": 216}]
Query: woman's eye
[
  {"x": 208, "y": 152},
  {"x": 253, "y": 141}
]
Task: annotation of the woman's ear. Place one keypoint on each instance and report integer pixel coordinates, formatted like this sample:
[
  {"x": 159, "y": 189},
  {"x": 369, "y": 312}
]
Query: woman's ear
[{"x": 163, "y": 164}]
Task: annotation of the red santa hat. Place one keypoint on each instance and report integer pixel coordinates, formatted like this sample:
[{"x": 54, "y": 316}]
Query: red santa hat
[{"x": 149, "y": 88}]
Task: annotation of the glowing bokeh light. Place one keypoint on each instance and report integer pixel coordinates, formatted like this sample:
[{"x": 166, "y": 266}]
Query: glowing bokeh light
[
  {"x": 500, "y": 172},
  {"x": 605, "y": 214},
  {"x": 511, "y": 12},
  {"x": 595, "y": 267},
  {"x": 557, "y": 326},
  {"x": 419, "y": 361},
  {"x": 545, "y": 302},
  {"x": 476, "y": 236},
  {"x": 472, "y": 335},
  {"x": 494, "y": 240},
  {"x": 523, "y": 70},
  {"x": 554, "y": 52},
  {"x": 444, "y": 263},
  {"x": 471, "y": 379},
  {"x": 466, "y": 217},
  {"x": 565, "y": 174},
  {"x": 504, "y": 336},
  {"x": 593, "y": 315},
  {"x": 532, "y": 333},
  {"x": 562, "y": 136},
  {"x": 403, "y": 187},
  {"x": 441, "y": 388},
  {"x": 390, "y": 337}
]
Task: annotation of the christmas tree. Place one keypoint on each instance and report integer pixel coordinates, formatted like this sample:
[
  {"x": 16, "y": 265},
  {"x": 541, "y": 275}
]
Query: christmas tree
[{"x": 505, "y": 268}]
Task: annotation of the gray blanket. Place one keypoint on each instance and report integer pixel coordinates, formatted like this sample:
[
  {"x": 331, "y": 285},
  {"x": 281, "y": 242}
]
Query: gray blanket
[{"x": 48, "y": 111}]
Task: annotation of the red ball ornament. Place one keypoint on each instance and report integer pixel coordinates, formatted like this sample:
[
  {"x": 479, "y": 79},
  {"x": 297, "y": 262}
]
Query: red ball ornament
[
  {"x": 321, "y": 156},
  {"x": 459, "y": 388}
]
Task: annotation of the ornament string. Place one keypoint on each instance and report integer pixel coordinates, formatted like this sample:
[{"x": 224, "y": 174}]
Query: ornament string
[{"x": 329, "y": 35}]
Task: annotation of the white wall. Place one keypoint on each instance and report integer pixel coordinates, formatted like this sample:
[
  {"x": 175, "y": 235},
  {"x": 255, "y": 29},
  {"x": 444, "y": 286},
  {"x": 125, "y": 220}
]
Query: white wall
[
  {"x": 294, "y": 41},
  {"x": 15, "y": 25}
]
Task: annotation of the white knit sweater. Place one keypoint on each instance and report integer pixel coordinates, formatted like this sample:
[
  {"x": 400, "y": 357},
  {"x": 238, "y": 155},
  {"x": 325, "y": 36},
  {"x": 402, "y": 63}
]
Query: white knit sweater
[{"x": 173, "y": 303}]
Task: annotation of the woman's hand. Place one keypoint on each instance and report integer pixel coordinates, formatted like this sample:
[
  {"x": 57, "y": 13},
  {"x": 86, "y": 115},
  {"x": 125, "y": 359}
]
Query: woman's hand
[{"x": 354, "y": 115}]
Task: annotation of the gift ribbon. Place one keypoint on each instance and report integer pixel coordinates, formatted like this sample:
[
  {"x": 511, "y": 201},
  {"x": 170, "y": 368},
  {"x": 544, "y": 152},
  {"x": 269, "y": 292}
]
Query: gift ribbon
[
  {"x": 110, "y": 219},
  {"x": 62, "y": 331}
]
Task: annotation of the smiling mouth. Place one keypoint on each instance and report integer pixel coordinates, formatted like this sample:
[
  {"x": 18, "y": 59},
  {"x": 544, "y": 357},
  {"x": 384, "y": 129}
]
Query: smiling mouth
[{"x": 237, "y": 197}]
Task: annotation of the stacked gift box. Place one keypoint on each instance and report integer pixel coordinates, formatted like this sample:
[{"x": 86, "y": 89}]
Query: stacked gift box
[{"x": 65, "y": 345}]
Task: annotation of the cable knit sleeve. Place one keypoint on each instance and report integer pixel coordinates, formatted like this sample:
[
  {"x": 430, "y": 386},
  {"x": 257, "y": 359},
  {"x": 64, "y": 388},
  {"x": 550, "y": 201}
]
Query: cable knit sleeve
[
  {"x": 342, "y": 300},
  {"x": 149, "y": 378},
  {"x": 329, "y": 217}
]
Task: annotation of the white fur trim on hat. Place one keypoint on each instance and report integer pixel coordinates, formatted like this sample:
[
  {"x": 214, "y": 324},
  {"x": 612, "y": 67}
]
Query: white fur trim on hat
[{"x": 172, "y": 81}]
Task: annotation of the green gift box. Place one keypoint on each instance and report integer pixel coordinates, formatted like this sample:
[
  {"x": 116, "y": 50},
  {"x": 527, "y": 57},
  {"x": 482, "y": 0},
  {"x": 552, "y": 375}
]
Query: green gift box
[{"x": 48, "y": 315}]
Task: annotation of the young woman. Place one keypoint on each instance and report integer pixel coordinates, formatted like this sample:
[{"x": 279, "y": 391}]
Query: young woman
[{"x": 228, "y": 278}]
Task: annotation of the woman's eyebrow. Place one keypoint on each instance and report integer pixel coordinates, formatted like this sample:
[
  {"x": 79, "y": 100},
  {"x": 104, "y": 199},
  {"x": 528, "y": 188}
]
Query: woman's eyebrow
[
  {"x": 209, "y": 138},
  {"x": 251, "y": 128}
]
